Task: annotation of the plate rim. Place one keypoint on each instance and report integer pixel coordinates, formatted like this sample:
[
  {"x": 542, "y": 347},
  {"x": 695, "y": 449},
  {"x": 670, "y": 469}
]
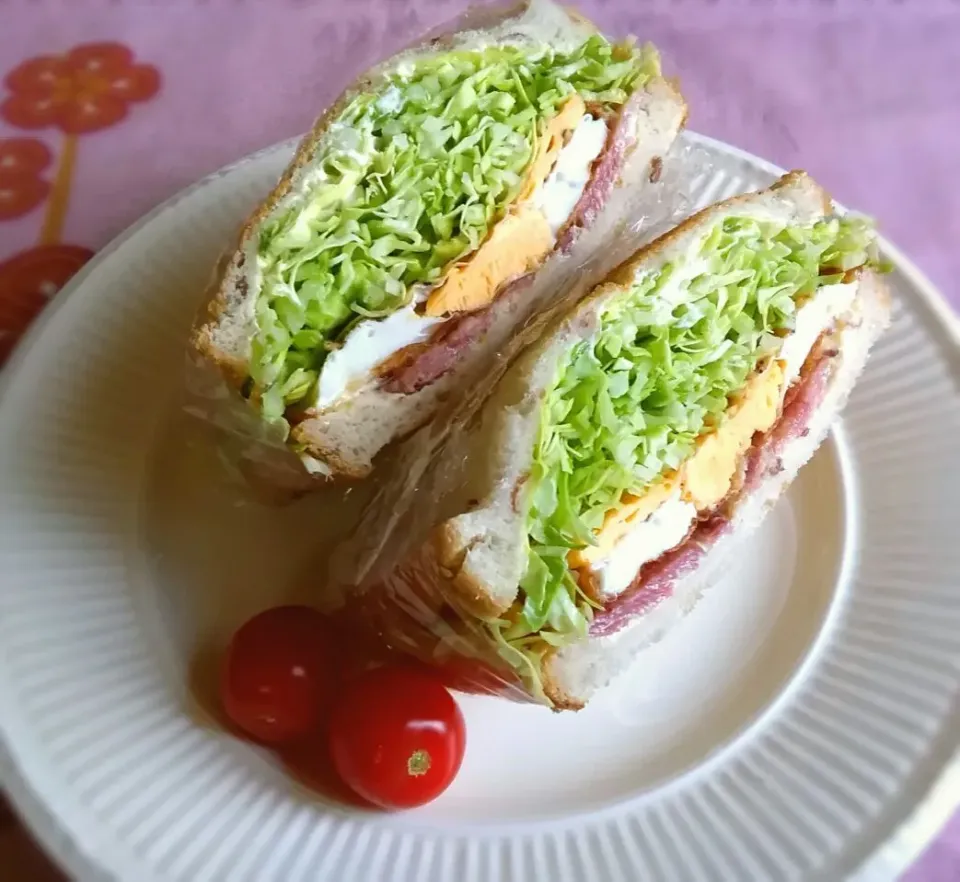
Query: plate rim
[{"x": 910, "y": 836}]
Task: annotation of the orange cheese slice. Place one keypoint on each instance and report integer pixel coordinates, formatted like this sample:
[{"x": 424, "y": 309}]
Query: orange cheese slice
[
  {"x": 519, "y": 241},
  {"x": 616, "y": 524},
  {"x": 707, "y": 476}
]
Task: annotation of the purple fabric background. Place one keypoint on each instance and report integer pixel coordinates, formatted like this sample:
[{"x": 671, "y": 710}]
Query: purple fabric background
[{"x": 864, "y": 94}]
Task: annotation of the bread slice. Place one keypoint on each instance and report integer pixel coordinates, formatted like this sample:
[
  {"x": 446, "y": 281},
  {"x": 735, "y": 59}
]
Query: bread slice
[
  {"x": 483, "y": 548},
  {"x": 343, "y": 441},
  {"x": 574, "y": 673}
]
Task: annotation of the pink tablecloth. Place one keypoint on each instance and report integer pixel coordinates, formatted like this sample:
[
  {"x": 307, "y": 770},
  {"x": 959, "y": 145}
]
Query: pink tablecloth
[{"x": 109, "y": 108}]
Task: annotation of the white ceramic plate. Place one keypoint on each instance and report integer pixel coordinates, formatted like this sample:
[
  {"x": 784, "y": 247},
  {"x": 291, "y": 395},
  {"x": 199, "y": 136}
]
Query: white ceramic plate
[{"x": 787, "y": 730}]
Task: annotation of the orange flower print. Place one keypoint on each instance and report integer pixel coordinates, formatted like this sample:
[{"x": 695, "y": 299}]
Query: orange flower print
[
  {"x": 86, "y": 90},
  {"x": 21, "y": 187}
]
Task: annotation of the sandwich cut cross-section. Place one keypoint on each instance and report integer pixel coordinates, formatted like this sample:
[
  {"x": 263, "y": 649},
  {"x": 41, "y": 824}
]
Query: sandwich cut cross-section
[{"x": 675, "y": 368}]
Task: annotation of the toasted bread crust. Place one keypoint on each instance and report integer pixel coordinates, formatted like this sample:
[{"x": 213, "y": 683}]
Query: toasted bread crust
[
  {"x": 234, "y": 370},
  {"x": 561, "y": 699},
  {"x": 340, "y": 467},
  {"x": 446, "y": 547}
]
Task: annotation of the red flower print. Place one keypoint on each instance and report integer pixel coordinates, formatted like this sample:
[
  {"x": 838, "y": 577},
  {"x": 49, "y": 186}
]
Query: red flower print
[
  {"x": 21, "y": 187},
  {"x": 28, "y": 280},
  {"x": 85, "y": 90}
]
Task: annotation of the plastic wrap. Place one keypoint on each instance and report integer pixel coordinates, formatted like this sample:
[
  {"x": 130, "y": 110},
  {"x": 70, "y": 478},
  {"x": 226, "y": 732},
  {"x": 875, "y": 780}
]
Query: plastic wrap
[
  {"x": 253, "y": 451},
  {"x": 381, "y": 580}
]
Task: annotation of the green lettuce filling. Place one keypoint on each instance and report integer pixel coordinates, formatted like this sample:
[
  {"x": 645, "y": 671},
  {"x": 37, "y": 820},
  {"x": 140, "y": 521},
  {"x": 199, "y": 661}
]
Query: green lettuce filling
[
  {"x": 629, "y": 403},
  {"x": 410, "y": 179}
]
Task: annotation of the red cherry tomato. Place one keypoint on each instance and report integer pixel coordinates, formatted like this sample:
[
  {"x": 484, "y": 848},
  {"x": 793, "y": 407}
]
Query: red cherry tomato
[
  {"x": 397, "y": 737},
  {"x": 278, "y": 674}
]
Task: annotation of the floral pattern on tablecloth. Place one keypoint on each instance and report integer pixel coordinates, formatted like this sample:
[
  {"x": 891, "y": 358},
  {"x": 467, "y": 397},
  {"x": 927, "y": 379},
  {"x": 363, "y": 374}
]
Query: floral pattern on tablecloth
[{"x": 89, "y": 88}]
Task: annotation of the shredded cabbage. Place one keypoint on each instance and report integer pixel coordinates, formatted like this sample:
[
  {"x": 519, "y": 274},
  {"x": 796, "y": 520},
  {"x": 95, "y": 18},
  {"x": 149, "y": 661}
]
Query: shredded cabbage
[
  {"x": 410, "y": 179},
  {"x": 629, "y": 403}
]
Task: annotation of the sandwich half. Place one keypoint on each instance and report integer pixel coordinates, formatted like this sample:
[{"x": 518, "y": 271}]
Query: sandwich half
[
  {"x": 433, "y": 189},
  {"x": 653, "y": 425}
]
